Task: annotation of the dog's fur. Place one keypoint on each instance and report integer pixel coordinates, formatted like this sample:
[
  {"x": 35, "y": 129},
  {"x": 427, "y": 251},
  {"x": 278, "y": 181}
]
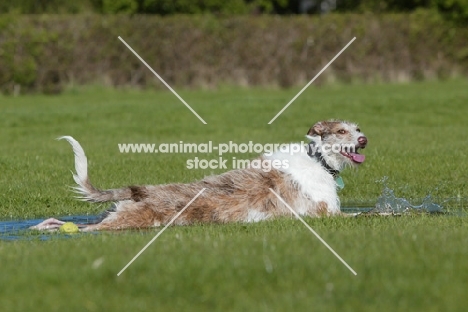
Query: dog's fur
[{"x": 307, "y": 185}]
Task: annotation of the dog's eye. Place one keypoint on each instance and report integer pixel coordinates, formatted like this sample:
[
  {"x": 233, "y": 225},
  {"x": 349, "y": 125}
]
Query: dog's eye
[
  {"x": 358, "y": 130},
  {"x": 342, "y": 131}
]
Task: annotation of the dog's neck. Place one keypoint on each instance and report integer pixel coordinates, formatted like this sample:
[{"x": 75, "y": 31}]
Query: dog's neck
[{"x": 315, "y": 153}]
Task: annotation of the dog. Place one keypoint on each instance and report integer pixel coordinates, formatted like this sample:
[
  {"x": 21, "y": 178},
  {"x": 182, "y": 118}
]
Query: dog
[{"x": 307, "y": 185}]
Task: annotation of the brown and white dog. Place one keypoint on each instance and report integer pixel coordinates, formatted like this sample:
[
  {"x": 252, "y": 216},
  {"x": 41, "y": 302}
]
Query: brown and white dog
[{"x": 307, "y": 184}]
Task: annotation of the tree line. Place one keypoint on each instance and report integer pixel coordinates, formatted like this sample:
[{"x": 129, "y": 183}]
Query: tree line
[{"x": 453, "y": 9}]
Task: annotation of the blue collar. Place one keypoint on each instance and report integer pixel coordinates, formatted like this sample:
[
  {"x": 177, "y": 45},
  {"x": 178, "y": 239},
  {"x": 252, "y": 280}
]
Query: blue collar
[{"x": 318, "y": 155}]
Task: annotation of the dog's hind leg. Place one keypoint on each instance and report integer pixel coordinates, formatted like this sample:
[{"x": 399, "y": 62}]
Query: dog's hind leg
[
  {"x": 48, "y": 224},
  {"x": 131, "y": 215}
]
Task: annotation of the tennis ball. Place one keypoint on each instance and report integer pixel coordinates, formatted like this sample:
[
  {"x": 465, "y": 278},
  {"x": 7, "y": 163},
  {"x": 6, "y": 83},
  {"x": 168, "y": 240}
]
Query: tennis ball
[{"x": 68, "y": 227}]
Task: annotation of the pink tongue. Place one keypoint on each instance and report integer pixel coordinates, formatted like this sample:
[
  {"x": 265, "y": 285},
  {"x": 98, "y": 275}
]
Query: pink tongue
[{"x": 357, "y": 157}]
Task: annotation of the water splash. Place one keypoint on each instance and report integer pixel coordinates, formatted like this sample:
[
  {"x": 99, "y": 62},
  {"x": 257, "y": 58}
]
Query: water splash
[{"x": 389, "y": 203}]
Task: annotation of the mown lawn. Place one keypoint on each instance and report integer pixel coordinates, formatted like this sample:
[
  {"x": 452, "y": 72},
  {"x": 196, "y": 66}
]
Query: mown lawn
[{"x": 417, "y": 139}]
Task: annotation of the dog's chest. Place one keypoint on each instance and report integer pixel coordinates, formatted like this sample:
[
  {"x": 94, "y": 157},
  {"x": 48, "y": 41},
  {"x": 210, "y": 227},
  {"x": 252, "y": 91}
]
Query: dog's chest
[{"x": 312, "y": 180}]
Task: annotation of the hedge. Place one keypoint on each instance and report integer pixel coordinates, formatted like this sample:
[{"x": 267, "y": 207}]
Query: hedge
[{"x": 45, "y": 53}]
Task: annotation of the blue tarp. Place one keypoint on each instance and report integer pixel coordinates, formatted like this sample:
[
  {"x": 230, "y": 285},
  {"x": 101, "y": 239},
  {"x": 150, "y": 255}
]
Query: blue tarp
[{"x": 15, "y": 229}]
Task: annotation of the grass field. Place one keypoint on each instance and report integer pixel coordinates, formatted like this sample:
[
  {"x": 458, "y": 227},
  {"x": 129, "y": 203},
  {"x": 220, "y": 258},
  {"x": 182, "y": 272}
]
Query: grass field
[{"x": 417, "y": 138}]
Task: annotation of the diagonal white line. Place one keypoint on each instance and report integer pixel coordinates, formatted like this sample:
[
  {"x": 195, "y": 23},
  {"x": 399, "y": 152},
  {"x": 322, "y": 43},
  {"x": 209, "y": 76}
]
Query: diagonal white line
[
  {"x": 313, "y": 232},
  {"x": 162, "y": 80},
  {"x": 310, "y": 82},
  {"x": 160, "y": 232}
]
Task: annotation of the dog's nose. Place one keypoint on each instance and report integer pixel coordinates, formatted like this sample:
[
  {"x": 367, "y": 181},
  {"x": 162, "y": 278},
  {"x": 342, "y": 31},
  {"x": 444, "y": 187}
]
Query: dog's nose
[{"x": 362, "y": 141}]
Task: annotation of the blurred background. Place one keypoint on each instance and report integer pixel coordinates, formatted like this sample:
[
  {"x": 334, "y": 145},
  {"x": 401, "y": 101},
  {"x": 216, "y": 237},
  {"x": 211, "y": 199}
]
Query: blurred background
[{"x": 49, "y": 45}]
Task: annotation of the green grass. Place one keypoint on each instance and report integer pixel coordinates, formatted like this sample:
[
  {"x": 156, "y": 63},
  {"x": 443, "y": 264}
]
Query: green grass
[
  {"x": 405, "y": 264},
  {"x": 417, "y": 138}
]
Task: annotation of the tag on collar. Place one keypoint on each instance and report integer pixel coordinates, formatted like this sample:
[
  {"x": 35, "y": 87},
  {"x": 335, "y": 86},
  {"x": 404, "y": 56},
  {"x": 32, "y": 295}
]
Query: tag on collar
[{"x": 339, "y": 182}]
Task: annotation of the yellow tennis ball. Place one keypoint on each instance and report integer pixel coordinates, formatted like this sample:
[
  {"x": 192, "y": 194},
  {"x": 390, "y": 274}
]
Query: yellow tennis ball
[{"x": 68, "y": 227}]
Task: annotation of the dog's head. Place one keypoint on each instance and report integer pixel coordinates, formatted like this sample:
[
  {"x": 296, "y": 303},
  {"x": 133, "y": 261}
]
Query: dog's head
[{"x": 339, "y": 142}]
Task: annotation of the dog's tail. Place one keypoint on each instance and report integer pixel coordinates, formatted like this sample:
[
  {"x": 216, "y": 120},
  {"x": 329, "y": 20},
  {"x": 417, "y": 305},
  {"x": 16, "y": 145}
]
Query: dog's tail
[{"x": 87, "y": 191}]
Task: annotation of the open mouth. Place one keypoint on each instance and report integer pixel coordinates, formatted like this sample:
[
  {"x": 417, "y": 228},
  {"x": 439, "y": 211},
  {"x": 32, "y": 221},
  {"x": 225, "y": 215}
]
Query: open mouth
[{"x": 355, "y": 157}]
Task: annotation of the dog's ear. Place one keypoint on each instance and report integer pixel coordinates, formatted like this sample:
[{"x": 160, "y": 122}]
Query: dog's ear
[{"x": 318, "y": 129}]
